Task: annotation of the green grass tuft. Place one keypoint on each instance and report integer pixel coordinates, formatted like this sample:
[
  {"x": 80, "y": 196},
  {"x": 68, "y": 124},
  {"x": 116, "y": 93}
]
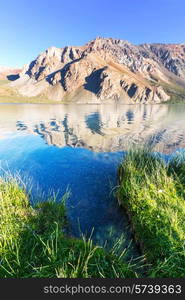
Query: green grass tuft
[
  {"x": 153, "y": 194},
  {"x": 33, "y": 242}
]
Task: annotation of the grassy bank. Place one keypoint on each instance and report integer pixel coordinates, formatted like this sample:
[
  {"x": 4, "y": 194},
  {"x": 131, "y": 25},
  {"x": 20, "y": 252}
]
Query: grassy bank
[
  {"x": 33, "y": 242},
  {"x": 176, "y": 93},
  {"x": 9, "y": 94},
  {"x": 154, "y": 196}
]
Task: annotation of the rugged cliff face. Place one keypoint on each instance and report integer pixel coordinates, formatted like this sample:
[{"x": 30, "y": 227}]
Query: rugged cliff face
[{"x": 104, "y": 70}]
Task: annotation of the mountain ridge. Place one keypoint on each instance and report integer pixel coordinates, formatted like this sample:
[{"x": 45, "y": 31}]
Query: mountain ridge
[
  {"x": 6, "y": 71},
  {"x": 105, "y": 70}
]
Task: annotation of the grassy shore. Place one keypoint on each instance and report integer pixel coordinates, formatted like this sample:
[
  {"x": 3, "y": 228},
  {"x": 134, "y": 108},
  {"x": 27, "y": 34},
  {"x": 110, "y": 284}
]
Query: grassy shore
[
  {"x": 9, "y": 94},
  {"x": 33, "y": 242},
  {"x": 153, "y": 194},
  {"x": 176, "y": 93}
]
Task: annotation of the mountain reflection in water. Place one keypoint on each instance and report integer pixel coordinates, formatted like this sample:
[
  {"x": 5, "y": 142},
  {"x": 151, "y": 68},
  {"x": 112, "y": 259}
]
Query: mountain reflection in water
[
  {"x": 101, "y": 128},
  {"x": 89, "y": 141}
]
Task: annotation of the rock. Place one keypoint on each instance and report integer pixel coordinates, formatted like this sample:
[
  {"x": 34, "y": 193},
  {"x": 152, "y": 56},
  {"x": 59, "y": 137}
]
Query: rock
[
  {"x": 9, "y": 73},
  {"x": 105, "y": 69}
]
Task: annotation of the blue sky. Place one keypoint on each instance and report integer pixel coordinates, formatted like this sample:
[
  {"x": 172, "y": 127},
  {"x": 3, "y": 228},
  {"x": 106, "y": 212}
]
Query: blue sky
[{"x": 27, "y": 27}]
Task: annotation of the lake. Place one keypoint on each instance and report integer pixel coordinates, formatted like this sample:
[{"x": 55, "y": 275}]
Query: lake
[{"x": 78, "y": 148}]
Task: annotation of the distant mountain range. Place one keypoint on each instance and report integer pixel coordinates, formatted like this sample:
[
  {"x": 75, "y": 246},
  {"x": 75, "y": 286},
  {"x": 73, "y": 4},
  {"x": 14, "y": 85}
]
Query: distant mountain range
[
  {"x": 106, "y": 70},
  {"x": 5, "y": 72}
]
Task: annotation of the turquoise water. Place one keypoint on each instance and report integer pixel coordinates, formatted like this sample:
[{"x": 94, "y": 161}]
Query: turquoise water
[{"x": 56, "y": 148}]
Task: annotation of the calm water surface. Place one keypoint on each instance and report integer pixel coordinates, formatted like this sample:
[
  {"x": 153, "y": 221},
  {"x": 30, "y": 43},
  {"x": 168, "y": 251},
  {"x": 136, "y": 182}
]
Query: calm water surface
[{"x": 79, "y": 148}]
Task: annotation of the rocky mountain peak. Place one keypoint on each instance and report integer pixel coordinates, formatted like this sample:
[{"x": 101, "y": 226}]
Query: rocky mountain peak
[{"x": 105, "y": 69}]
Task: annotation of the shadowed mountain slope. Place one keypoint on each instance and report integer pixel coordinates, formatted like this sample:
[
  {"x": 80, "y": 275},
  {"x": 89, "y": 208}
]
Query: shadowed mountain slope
[{"x": 106, "y": 70}]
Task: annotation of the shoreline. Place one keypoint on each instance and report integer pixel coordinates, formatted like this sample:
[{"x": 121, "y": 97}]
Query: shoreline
[
  {"x": 152, "y": 193},
  {"x": 34, "y": 242}
]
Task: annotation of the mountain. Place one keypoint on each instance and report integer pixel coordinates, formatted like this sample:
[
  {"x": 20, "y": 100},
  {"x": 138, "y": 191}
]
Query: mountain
[
  {"x": 104, "y": 70},
  {"x": 8, "y": 72}
]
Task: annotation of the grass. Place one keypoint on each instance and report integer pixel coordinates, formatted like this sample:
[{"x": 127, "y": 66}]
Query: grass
[
  {"x": 173, "y": 89},
  {"x": 9, "y": 94},
  {"x": 176, "y": 93},
  {"x": 33, "y": 242},
  {"x": 4, "y": 81},
  {"x": 153, "y": 193}
]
